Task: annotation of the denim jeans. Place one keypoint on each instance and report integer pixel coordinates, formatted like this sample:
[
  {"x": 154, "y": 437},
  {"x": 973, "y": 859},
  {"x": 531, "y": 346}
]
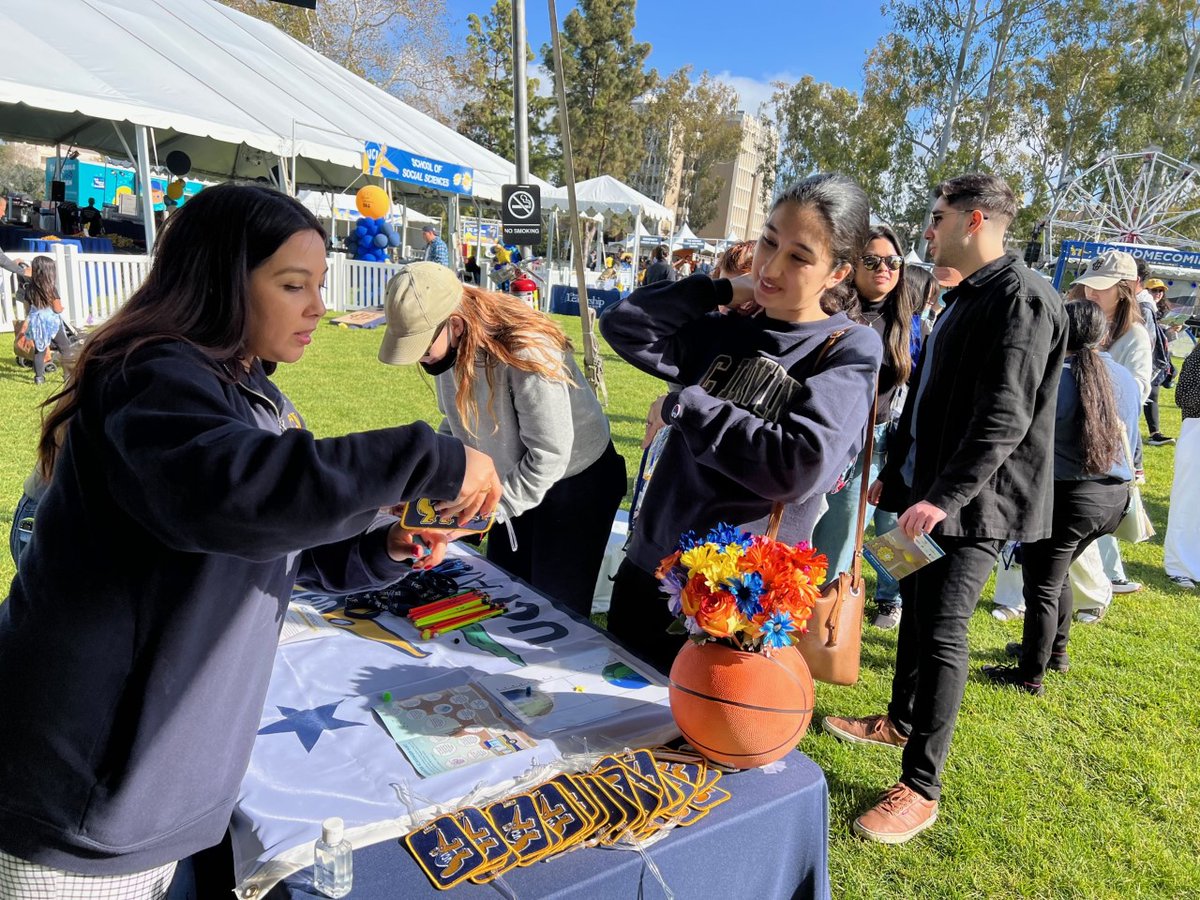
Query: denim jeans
[
  {"x": 834, "y": 534},
  {"x": 22, "y": 527}
]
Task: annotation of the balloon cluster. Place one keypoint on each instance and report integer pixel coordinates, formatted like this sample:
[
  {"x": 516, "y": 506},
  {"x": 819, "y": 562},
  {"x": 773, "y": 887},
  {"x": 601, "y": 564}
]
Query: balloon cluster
[
  {"x": 373, "y": 233},
  {"x": 370, "y": 239}
]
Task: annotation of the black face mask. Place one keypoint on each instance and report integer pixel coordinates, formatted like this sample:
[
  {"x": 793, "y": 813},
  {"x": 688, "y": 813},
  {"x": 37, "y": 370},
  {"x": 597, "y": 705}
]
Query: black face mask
[{"x": 445, "y": 364}]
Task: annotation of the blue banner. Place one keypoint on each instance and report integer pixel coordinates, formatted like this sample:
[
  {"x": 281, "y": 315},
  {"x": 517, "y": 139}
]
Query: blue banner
[
  {"x": 383, "y": 161},
  {"x": 1080, "y": 251},
  {"x": 564, "y": 300}
]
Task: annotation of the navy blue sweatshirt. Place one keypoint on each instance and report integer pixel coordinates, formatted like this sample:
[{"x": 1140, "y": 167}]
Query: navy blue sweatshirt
[
  {"x": 758, "y": 420},
  {"x": 137, "y": 641}
]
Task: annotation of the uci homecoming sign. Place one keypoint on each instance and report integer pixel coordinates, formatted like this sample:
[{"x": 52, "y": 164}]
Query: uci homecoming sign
[{"x": 383, "y": 161}]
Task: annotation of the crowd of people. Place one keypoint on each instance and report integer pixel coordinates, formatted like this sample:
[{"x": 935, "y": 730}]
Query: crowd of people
[{"x": 176, "y": 474}]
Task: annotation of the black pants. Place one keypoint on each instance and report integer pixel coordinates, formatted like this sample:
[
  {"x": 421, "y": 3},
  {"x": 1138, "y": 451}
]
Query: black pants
[
  {"x": 1151, "y": 410},
  {"x": 561, "y": 541},
  {"x": 639, "y": 618},
  {"x": 61, "y": 344},
  {"x": 1083, "y": 510},
  {"x": 931, "y": 655}
]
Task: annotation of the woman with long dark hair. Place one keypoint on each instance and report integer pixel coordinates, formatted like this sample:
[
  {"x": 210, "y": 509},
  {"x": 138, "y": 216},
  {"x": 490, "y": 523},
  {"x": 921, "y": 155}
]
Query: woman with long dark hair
[
  {"x": 1108, "y": 283},
  {"x": 184, "y": 500},
  {"x": 508, "y": 385},
  {"x": 1097, "y": 399},
  {"x": 773, "y": 405},
  {"x": 887, "y": 304},
  {"x": 44, "y": 326}
]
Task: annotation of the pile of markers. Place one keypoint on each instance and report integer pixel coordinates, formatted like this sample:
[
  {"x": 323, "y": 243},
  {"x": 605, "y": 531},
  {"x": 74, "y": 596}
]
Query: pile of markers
[{"x": 454, "y": 612}]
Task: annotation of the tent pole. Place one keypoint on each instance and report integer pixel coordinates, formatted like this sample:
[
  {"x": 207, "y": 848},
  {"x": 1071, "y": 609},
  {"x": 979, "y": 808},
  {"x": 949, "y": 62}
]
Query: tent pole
[
  {"x": 593, "y": 364},
  {"x": 141, "y": 136},
  {"x": 637, "y": 247},
  {"x": 404, "y": 225}
]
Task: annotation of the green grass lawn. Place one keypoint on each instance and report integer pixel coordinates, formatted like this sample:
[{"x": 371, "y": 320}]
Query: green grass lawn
[{"x": 1085, "y": 792}]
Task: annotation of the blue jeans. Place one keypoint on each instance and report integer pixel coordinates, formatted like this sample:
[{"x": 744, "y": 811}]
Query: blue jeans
[
  {"x": 834, "y": 534},
  {"x": 22, "y": 527}
]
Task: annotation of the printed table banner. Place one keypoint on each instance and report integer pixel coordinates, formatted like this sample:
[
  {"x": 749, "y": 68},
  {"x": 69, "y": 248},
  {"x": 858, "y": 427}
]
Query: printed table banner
[{"x": 368, "y": 721}]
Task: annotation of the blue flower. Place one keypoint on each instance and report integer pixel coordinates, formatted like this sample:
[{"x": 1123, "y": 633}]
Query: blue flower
[
  {"x": 723, "y": 535},
  {"x": 747, "y": 591},
  {"x": 688, "y": 540},
  {"x": 776, "y": 630}
]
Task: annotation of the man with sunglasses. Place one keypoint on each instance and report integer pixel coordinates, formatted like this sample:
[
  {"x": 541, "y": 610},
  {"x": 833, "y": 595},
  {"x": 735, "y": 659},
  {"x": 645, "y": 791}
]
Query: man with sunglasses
[{"x": 972, "y": 465}]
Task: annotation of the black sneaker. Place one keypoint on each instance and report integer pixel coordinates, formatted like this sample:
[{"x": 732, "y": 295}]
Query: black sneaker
[
  {"x": 1010, "y": 676},
  {"x": 1059, "y": 662},
  {"x": 1158, "y": 439}
]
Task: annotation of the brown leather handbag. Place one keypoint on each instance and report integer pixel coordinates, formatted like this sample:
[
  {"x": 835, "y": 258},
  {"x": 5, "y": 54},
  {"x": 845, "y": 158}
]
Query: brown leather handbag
[{"x": 832, "y": 646}]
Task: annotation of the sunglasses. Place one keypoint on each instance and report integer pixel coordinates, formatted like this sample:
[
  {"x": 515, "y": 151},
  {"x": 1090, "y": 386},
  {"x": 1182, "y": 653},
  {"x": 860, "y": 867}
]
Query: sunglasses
[{"x": 873, "y": 262}]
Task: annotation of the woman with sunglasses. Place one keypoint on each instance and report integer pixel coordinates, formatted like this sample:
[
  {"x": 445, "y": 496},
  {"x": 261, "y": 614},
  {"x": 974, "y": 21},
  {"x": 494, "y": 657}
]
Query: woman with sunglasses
[
  {"x": 886, "y": 304},
  {"x": 508, "y": 384}
]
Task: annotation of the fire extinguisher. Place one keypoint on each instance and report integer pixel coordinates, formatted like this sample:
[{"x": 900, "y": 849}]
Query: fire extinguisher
[{"x": 523, "y": 288}]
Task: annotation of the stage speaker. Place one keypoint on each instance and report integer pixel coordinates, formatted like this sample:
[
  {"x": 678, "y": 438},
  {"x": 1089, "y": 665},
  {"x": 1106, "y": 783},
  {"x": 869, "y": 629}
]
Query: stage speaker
[{"x": 58, "y": 191}]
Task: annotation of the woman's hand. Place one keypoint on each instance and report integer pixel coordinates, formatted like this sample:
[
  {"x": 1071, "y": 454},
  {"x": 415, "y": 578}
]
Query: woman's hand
[
  {"x": 875, "y": 492},
  {"x": 743, "y": 302},
  {"x": 654, "y": 421},
  {"x": 480, "y": 491}
]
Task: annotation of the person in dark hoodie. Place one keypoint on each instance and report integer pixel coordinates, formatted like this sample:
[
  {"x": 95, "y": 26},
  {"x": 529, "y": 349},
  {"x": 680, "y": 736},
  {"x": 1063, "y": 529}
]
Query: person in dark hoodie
[
  {"x": 184, "y": 500},
  {"x": 774, "y": 406}
]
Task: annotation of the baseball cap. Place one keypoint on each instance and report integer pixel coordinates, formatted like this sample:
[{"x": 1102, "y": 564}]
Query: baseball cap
[
  {"x": 1107, "y": 269},
  {"x": 1155, "y": 284},
  {"x": 419, "y": 298}
]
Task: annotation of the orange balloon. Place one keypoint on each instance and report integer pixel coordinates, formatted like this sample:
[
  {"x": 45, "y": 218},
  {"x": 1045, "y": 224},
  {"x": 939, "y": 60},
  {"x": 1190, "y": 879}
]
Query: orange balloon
[{"x": 373, "y": 202}]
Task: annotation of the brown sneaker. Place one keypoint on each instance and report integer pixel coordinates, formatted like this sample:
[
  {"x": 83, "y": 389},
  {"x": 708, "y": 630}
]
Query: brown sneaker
[
  {"x": 867, "y": 730},
  {"x": 900, "y": 814}
]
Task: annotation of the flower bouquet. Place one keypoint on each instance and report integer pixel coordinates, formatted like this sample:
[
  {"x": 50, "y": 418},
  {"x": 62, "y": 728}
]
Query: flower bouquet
[
  {"x": 740, "y": 691},
  {"x": 753, "y": 593}
]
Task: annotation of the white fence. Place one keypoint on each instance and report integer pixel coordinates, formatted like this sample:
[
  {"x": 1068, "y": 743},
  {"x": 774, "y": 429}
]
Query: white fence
[{"x": 94, "y": 285}]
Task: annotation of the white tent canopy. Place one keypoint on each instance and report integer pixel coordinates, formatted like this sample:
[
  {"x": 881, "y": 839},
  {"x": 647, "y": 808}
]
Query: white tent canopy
[
  {"x": 913, "y": 259},
  {"x": 604, "y": 194},
  {"x": 686, "y": 239},
  {"x": 234, "y": 93}
]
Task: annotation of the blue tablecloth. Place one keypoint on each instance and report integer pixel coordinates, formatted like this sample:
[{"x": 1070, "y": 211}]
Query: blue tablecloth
[
  {"x": 770, "y": 840},
  {"x": 40, "y": 245}
]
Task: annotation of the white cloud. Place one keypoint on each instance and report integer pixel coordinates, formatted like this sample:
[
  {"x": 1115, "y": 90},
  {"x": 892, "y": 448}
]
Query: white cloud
[{"x": 753, "y": 92}]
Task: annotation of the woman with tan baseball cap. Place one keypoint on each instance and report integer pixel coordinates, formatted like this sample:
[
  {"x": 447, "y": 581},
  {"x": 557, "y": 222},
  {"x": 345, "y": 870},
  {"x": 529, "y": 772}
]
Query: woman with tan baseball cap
[
  {"x": 508, "y": 384},
  {"x": 1108, "y": 282}
]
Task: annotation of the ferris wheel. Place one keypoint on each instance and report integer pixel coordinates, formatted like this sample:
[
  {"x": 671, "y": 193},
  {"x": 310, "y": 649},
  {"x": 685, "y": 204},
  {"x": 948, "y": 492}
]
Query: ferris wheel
[{"x": 1139, "y": 198}]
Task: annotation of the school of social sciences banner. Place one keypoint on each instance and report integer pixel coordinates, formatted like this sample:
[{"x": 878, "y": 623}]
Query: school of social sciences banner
[
  {"x": 324, "y": 750},
  {"x": 383, "y": 161}
]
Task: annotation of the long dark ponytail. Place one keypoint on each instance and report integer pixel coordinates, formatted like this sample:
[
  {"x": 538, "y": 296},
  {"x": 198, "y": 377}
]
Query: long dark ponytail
[{"x": 1099, "y": 431}]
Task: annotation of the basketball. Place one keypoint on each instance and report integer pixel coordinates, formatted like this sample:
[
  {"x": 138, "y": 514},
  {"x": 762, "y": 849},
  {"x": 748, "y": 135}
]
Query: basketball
[{"x": 740, "y": 709}]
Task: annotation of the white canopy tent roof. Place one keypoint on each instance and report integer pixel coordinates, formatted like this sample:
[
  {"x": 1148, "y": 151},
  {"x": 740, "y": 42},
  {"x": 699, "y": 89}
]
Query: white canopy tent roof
[
  {"x": 604, "y": 194},
  {"x": 234, "y": 93},
  {"x": 686, "y": 239}
]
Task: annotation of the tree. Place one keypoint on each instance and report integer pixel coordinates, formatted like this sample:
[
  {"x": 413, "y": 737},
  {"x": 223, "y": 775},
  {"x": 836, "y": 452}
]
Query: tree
[
  {"x": 823, "y": 128},
  {"x": 486, "y": 81},
  {"x": 17, "y": 176},
  {"x": 604, "y": 73},
  {"x": 400, "y": 46},
  {"x": 698, "y": 125},
  {"x": 948, "y": 74}
]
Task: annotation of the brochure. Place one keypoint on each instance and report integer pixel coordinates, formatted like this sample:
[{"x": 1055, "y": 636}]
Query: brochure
[{"x": 899, "y": 555}]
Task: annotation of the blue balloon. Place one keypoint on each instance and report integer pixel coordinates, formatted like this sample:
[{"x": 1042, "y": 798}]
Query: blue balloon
[
  {"x": 385, "y": 227},
  {"x": 381, "y": 240},
  {"x": 362, "y": 222},
  {"x": 361, "y": 232},
  {"x": 394, "y": 239}
]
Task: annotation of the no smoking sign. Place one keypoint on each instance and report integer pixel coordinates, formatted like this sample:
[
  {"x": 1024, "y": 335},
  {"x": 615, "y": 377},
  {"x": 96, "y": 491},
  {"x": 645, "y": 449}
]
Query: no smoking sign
[{"x": 521, "y": 213}]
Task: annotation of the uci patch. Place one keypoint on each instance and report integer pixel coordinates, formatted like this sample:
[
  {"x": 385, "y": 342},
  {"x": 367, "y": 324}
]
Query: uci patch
[
  {"x": 479, "y": 828},
  {"x": 565, "y": 823},
  {"x": 444, "y": 852},
  {"x": 517, "y": 820}
]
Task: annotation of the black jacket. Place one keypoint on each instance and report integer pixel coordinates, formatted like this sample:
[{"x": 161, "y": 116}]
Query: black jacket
[
  {"x": 660, "y": 270},
  {"x": 137, "y": 641},
  {"x": 985, "y": 427}
]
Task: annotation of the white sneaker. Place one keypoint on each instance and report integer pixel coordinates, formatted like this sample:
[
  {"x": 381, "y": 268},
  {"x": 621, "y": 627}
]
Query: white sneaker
[
  {"x": 1125, "y": 586},
  {"x": 1182, "y": 581},
  {"x": 1091, "y": 616},
  {"x": 1007, "y": 613}
]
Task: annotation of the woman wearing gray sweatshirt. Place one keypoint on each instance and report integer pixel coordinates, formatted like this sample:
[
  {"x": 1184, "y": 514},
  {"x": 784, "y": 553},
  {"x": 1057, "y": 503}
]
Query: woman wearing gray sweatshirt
[{"x": 508, "y": 385}]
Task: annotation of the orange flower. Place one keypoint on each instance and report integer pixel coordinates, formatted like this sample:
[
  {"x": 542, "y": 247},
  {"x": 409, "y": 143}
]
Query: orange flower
[
  {"x": 718, "y": 615},
  {"x": 693, "y": 595},
  {"x": 666, "y": 565}
]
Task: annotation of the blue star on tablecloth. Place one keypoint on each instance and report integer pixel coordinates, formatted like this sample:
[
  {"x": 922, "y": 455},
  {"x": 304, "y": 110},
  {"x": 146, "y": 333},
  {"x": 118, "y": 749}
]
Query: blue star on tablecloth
[{"x": 308, "y": 724}]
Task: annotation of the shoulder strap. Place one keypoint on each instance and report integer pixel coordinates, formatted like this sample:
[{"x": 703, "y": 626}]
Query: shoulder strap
[{"x": 861, "y": 527}]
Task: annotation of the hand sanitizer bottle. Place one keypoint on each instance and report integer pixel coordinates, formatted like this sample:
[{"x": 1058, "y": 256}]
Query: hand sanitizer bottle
[{"x": 334, "y": 866}]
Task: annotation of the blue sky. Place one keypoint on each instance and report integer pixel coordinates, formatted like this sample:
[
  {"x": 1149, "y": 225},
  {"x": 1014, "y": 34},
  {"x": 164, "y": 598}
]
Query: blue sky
[{"x": 747, "y": 44}]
